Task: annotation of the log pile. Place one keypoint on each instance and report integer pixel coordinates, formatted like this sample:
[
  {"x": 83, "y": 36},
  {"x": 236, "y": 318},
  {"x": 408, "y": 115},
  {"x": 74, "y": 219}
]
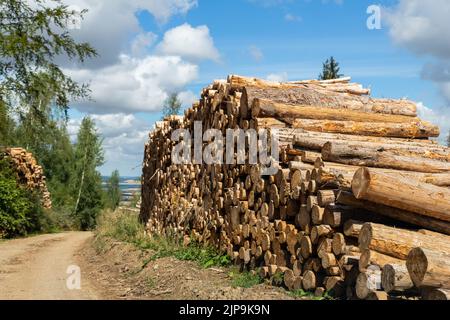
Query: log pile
[
  {"x": 359, "y": 206},
  {"x": 28, "y": 173}
]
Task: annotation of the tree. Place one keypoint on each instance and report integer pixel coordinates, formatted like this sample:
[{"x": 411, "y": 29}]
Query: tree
[
  {"x": 172, "y": 105},
  {"x": 88, "y": 183},
  {"x": 330, "y": 70},
  {"x": 6, "y": 126},
  {"x": 448, "y": 139},
  {"x": 113, "y": 192},
  {"x": 32, "y": 35}
]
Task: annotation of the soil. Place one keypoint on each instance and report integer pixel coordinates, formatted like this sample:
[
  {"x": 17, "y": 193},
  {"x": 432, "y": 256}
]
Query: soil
[{"x": 36, "y": 268}]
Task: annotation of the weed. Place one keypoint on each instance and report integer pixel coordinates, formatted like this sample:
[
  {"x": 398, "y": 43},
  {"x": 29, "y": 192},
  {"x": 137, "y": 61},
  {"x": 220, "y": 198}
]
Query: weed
[
  {"x": 125, "y": 227},
  {"x": 245, "y": 279}
]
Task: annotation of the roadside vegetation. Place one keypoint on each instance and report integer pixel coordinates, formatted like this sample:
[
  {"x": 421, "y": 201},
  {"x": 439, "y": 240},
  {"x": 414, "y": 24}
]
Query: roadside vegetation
[{"x": 123, "y": 225}]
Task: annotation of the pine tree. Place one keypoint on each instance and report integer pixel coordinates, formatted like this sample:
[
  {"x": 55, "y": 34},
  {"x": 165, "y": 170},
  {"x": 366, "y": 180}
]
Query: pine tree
[
  {"x": 114, "y": 193},
  {"x": 88, "y": 183},
  {"x": 330, "y": 70},
  {"x": 172, "y": 105}
]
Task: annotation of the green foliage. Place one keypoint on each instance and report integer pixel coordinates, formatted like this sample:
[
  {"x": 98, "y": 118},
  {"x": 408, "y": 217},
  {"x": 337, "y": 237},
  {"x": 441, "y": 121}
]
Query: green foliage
[
  {"x": 135, "y": 199},
  {"x": 87, "y": 180},
  {"x": 15, "y": 204},
  {"x": 113, "y": 194},
  {"x": 172, "y": 105},
  {"x": 6, "y": 127},
  {"x": 245, "y": 279},
  {"x": 31, "y": 37},
  {"x": 330, "y": 70},
  {"x": 305, "y": 294}
]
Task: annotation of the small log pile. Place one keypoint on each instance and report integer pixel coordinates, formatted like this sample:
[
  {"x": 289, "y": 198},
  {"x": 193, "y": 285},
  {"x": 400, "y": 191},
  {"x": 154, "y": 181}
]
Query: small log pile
[
  {"x": 359, "y": 206},
  {"x": 28, "y": 172}
]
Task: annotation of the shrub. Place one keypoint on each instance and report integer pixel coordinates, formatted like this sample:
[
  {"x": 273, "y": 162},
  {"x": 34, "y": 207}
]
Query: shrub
[{"x": 15, "y": 204}]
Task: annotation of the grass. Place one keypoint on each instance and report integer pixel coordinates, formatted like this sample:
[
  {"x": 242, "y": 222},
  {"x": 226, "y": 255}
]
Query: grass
[
  {"x": 244, "y": 279},
  {"x": 125, "y": 227},
  {"x": 305, "y": 294}
]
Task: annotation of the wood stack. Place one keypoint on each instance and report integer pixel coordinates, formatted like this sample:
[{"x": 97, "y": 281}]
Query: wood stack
[
  {"x": 359, "y": 185},
  {"x": 29, "y": 173}
]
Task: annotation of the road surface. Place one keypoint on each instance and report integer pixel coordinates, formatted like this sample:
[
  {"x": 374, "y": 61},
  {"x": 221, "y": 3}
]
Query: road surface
[{"x": 36, "y": 268}]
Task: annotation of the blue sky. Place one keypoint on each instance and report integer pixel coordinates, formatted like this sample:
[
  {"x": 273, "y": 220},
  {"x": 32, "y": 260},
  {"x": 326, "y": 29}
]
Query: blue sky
[{"x": 278, "y": 39}]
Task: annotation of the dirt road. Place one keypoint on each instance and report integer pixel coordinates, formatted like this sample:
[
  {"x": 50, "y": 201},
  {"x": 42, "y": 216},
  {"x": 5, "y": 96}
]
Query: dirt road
[{"x": 36, "y": 268}]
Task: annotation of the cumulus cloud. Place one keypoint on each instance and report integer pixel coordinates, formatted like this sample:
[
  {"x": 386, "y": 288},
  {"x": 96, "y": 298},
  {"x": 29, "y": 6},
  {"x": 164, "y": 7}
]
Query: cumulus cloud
[
  {"x": 142, "y": 42},
  {"x": 190, "y": 43},
  {"x": 109, "y": 25},
  {"x": 422, "y": 26},
  {"x": 135, "y": 85},
  {"x": 124, "y": 138}
]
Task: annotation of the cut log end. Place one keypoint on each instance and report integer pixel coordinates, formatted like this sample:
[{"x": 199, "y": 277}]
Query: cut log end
[
  {"x": 365, "y": 236},
  {"x": 417, "y": 265},
  {"x": 361, "y": 182}
]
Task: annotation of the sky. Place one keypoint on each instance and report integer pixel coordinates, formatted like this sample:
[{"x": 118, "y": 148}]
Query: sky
[{"x": 151, "y": 48}]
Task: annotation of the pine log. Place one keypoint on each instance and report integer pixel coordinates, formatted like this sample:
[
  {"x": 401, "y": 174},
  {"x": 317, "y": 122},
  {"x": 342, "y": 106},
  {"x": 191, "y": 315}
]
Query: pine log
[
  {"x": 347, "y": 198},
  {"x": 421, "y": 198},
  {"x": 411, "y": 130},
  {"x": 299, "y": 94},
  {"x": 438, "y": 294},
  {"x": 395, "y": 277},
  {"x": 398, "y": 242},
  {"x": 429, "y": 268},
  {"x": 370, "y": 257},
  {"x": 368, "y": 282},
  {"x": 380, "y": 158},
  {"x": 269, "y": 108}
]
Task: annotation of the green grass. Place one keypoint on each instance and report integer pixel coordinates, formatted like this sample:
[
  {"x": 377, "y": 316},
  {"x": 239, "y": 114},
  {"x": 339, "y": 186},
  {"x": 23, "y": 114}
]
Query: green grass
[
  {"x": 244, "y": 279},
  {"x": 305, "y": 294},
  {"x": 125, "y": 227}
]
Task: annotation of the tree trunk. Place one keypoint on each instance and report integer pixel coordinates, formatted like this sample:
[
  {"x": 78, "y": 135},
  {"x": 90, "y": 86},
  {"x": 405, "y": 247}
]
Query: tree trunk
[{"x": 421, "y": 198}]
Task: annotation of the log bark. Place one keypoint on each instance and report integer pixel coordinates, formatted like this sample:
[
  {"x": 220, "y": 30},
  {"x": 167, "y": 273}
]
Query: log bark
[
  {"x": 289, "y": 112},
  {"x": 421, "y": 198},
  {"x": 411, "y": 130},
  {"x": 380, "y": 158},
  {"x": 398, "y": 242},
  {"x": 347, "y": 198}
]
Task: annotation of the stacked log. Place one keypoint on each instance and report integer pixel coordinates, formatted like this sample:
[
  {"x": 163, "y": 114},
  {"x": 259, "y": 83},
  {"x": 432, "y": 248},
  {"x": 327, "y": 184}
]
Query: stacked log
[
  {"x": 28, "y": 173},
  {"x": 321, "y": 221}
]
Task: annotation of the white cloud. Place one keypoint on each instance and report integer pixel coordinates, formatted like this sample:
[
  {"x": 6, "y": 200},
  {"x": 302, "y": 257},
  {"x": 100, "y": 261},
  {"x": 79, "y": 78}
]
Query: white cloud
[
  {"x": 142, "y": 42},
  {"x": 108, "y": 25},
  {"x": 421, "y": 25},
  {"x": 256, "y": 53},
  {"x": 124, "y": 138},
  {"x": 278, "y": 77},
  {"x": 190, "y": 43},
  {"x": 135, "y": 84},
  {"x": 439, "y": 117},
  {"x": 292, "y": 18}
]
